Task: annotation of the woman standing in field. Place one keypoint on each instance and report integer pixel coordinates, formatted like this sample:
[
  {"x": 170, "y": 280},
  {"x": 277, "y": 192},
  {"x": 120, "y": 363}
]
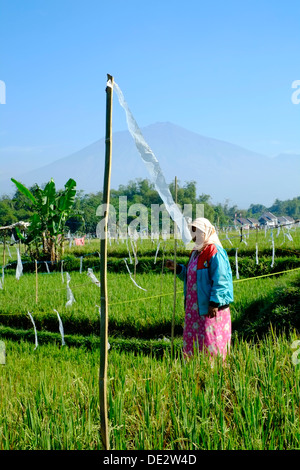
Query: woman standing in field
[{"x": 208, "y": 291}]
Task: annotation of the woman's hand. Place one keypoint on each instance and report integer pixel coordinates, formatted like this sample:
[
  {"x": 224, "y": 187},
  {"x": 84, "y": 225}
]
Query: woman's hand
[
  {"x": 170, "y": 264},
  {"x": 212, "y": 311}
]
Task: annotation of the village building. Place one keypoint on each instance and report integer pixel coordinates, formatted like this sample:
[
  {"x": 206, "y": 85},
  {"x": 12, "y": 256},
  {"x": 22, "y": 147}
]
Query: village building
[
  {"x": 253, "y": 222},
  {"x": 268, "y": 219}
]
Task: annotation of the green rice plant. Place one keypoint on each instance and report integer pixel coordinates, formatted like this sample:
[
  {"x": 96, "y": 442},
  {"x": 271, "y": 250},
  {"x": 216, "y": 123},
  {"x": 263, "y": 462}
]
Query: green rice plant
[
  {"x": 132, "y": 311},
  {"x": 248, "y": 404},
  {"x": 50, "y": 399}
]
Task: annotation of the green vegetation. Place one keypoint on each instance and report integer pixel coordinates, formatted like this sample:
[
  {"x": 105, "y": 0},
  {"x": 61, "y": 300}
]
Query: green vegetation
[
  {"x": 51, "y": 210},
  {"x": 50, "y": 394},
  {"x": 18, "y": 207},
  {"x": 50, "y": 399}
]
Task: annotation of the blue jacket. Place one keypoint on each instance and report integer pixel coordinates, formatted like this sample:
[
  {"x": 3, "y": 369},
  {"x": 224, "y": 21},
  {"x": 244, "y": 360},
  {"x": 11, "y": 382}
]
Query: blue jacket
[{"x": 214, "y": 278}]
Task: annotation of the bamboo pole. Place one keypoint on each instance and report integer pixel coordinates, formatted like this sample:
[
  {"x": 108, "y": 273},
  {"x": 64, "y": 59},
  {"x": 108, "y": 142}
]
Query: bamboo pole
[
  {"x": 103, "y": 271},
  {"x": 36, "y": 282},
  {"x": 161, "y": 279},
  {"x": 4, "y": 248},
  {"x": 175, "y": 256}
]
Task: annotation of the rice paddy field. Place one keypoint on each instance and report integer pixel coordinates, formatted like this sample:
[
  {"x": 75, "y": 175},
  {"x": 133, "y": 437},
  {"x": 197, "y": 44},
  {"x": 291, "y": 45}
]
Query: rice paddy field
[{"x": 50, "y": 392}]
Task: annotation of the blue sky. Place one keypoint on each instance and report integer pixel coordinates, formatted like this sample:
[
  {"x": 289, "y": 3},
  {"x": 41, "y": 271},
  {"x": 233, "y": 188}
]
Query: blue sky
[{"x": 223, "y": 69}]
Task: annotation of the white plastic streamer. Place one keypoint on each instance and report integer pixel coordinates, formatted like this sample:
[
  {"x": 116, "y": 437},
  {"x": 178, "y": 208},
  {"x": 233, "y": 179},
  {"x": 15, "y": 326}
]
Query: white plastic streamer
[
  {"x": 70, "y": 296},
  {"x": 236, "y": 264},
  {"x": 1, "y": 285},
  {"x": 153, "y": 168},
  {"x": 132, "y": 277},
  {"x": 62, "y": 271},
  {"x": 47, "y": 267},
  {"x": 93, "y": 277},
  {"x": 271, "y": 239},
  {"x": 9, "y": 253},
  {"x": 80, "y": 269},
  {"x": 228, "y": 239},
  {"x": 35, "y": 333},
  {"x": 134, "y": 252},
  {"x": 273, "y": 253},
  {"x": 2, "y": 353},
  {"x": 289, "y": 236},
  {"x": 156, "y": 252},
  {"x": 130, "y": 259},
  {"x": 256, "y": 254},
  {"x": 19, "y": 270},
  {"x": 61, "y": 328}
]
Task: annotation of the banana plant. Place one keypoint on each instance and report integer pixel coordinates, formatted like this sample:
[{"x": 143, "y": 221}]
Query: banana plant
[{"x": 51, "y": 211}]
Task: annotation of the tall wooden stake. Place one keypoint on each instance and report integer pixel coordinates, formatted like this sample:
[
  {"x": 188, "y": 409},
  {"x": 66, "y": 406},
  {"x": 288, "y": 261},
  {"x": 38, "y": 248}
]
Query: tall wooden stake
[
  {"x": 103, "y": 271},
  {"x": 36, "y": 282},
  {"x": 161, "y": 279},
  {"x": 4, "y": 248},
  {"x": 175, "y": 255}
]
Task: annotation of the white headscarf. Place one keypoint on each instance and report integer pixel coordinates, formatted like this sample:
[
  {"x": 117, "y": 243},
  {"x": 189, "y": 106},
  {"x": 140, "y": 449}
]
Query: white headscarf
[{"x": 208, "y": 229}]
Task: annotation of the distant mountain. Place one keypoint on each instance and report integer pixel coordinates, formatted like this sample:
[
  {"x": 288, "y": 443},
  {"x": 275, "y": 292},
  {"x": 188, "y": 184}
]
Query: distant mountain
[{"x": 220, "y": 169}]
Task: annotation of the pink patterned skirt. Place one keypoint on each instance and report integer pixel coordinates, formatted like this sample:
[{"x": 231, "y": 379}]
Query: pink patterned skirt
[{"x": 212, "y": 335}]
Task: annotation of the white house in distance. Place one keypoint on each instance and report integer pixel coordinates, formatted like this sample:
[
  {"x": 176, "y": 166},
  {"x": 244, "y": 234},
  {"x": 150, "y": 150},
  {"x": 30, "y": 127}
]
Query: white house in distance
[
  {"x": 253, "y": 222},
  {"x": 285, "y": 220},
  {"x": 246, "y": 223},
  {"x": 268, "y": 219},
  {"x": 242, "y": 222}
]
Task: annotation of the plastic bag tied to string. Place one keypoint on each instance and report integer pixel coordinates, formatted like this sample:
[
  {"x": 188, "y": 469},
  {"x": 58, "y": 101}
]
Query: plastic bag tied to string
[
  {"x": 92, "y": 276},
  {"x": 130, "y": 275},
  {"x": 2, "y": 280},
  {"x": 153, "y": 168},
  {"x": 61, "y": 328},
  {"x": 273, "y": 253},
  {"x": 130, "y": 259},
  {"x": 236, "y": 264},
  {"x": 2, "y": 353},
  {"x": 35, "y": 333},
  {"x": 158, "y": 245},
  {"x": 133, "y": 251},
  {"x": 19, "y": 270},
  {"x": 70, "y": 296}
]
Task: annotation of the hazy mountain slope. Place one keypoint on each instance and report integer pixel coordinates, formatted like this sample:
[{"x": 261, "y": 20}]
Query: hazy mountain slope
[{"x": 221, "y": 169}]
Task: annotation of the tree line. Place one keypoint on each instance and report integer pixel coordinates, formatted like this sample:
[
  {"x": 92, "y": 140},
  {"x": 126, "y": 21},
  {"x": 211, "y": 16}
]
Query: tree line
[{"x": 18, "y": 207}]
